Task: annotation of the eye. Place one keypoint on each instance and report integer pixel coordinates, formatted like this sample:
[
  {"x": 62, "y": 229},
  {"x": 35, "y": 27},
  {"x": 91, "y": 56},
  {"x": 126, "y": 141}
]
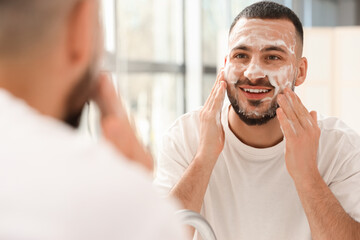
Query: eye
[
  {"x": 240, "y": 55},
  {"x": 273, "y": 57}
]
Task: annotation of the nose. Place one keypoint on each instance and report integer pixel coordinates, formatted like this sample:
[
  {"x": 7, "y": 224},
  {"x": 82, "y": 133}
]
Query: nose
[{"x": 254, "y": 71}]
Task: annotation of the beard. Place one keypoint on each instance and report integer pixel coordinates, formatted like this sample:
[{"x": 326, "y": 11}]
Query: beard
[
  {"x": 79, "y": 96},
  {"x": 253, "y": 118},
  {"x": 84, "y": 90}
]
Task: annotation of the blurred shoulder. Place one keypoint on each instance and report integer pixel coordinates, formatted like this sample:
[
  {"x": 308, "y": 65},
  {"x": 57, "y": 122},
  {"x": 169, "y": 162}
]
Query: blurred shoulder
[{"x": 335, "y": 128}]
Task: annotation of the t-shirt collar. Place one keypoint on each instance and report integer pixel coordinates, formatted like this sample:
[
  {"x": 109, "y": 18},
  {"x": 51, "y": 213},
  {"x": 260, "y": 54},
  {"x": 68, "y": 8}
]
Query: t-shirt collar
[{"x": 256, "y": 153}]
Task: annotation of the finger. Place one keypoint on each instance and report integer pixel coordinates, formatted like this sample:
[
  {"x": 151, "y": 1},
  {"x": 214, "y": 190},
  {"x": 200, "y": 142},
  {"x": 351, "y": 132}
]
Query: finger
[
  {"x": 300, "y": 110},
  {"x": 106, "y": 97},
  {"x": 117, "y": 133},
  {"x": 286, "y": 125},
  {"x": 219, "y": 97},
  {"x": 314, "y": 116},
  {"x": 108, "y": 100},
  {"x": 97, "y": 97},
  {"x": 112, "y": 129},
  {"x": 122, "y": 136},
  {"x": 220, "y": 76},
  {"x": 289, "y": 112},
  {"x": 210, "y": 98},
  {"x": 215, "y": 88}
]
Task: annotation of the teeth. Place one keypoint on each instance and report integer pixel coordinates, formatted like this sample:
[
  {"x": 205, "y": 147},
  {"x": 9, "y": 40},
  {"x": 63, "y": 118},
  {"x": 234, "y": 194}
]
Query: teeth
[{"x": 256, "y": 90}]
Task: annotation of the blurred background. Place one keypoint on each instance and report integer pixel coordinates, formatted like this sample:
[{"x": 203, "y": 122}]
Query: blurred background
[{"x": 164, "y": 54}]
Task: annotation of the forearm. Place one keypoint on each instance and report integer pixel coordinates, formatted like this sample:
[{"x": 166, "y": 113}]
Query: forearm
[
  {"x": 191, "y": 188},
  {"x": 327, "y": 218}
]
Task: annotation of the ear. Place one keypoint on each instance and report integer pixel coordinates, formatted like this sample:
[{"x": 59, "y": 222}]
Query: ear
[
  {"x": 225, "y": 60},
  {"x": 302, "y": 71},
  {"x": 80, "y": 35}
]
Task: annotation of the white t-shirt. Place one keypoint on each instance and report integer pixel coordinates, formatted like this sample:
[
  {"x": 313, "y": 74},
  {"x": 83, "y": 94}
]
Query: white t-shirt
[
  {"x": 55, "y": 184},
  {"x": 250, "y": 194}
]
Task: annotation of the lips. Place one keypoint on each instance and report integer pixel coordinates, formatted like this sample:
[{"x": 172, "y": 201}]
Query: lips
[{"x": 256, "y": 92}]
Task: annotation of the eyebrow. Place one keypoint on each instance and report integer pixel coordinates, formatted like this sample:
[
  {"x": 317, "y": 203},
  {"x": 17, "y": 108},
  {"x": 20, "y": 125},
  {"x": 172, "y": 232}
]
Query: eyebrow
[
  {"x": 241, "y": 47},
  {"x": 268, "y": 49},
  {"x": 273, "y": 48}
]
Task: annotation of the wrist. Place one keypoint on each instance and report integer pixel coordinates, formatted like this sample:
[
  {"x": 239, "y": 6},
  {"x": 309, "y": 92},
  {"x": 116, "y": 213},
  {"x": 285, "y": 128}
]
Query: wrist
[
  {"x": 206, "y": 158},
  {"x": 309, "y": 181}
]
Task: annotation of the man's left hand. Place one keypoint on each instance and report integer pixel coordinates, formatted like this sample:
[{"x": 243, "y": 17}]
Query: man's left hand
[{"x": 302, "y": 134}]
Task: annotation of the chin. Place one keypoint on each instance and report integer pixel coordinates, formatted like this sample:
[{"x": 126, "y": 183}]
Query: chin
[
  {"x": 259, "y": 113},
  {"x": 255, "y": 118}
]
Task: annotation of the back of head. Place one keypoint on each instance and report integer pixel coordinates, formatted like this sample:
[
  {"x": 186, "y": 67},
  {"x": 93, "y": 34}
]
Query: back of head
[
  {"x": 49, "y": 52},
  {"x": 270, "y": 10},
  {"x": 25, "y": 24}
]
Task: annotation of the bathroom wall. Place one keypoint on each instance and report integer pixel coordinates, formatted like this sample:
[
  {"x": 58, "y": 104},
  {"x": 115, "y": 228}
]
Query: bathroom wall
[{"x": 333, "y": 82}]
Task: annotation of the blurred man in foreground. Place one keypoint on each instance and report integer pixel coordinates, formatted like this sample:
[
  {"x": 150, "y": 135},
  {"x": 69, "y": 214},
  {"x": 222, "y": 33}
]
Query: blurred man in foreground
[{"x": 55, "y": 184}]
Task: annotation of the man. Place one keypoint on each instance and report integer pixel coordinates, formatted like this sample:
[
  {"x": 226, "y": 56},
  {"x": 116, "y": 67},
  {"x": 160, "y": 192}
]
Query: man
[
  {"x": 55, "y": 184},
  {"x": 263, "y": 167}
]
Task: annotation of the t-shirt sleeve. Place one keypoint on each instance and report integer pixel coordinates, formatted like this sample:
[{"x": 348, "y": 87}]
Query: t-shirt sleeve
[{"x": 346, "y": 185}]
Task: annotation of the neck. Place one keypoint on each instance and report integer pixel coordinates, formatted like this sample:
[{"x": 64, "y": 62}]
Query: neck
[
  {"x": 263, "y": 136},
  {"x": 33, "y": 85}
]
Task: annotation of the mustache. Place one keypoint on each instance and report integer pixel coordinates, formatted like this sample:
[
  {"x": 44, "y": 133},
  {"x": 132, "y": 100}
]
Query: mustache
[{"x": 263, "y": 82}]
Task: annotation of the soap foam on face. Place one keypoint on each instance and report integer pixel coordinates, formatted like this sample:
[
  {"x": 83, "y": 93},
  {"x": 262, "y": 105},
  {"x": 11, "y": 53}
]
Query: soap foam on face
[
  {"x": 258, "y": 35},
  {"x": 262, "y": 33},
  {"x": 279, "y": 79}
]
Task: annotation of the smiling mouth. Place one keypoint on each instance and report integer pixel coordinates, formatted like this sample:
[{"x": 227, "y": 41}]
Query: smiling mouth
[
  {"x": 249, "y": 90},
  {"x": 256, "y": 93}
]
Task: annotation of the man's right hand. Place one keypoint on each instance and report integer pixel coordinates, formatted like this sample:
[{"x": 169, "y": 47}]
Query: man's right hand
[
  {"x": 116, "y": 126},
  {"x": 191, "y": 188},
  {"x": 212, "y": 136}
]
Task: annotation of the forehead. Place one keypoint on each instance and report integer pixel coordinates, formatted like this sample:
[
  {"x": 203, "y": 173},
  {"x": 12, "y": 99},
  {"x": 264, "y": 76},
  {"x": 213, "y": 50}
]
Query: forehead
[{"x": 253, "y": 31}]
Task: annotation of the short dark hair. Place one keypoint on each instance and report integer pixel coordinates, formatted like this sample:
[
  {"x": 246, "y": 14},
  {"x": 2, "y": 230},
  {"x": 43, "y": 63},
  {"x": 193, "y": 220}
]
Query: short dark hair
[
  {"x": 270, "y": 10},
  {"x": 25, "y": 24}
]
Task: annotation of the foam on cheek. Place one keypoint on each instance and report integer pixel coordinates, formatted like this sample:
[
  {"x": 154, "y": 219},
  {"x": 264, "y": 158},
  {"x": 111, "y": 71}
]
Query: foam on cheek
[
  {"x": 232, "y": 72},
  {"x": 229, "y": 72},
  {"x": 281, "y": 78},
  {"x": 258, "y": 36}
]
